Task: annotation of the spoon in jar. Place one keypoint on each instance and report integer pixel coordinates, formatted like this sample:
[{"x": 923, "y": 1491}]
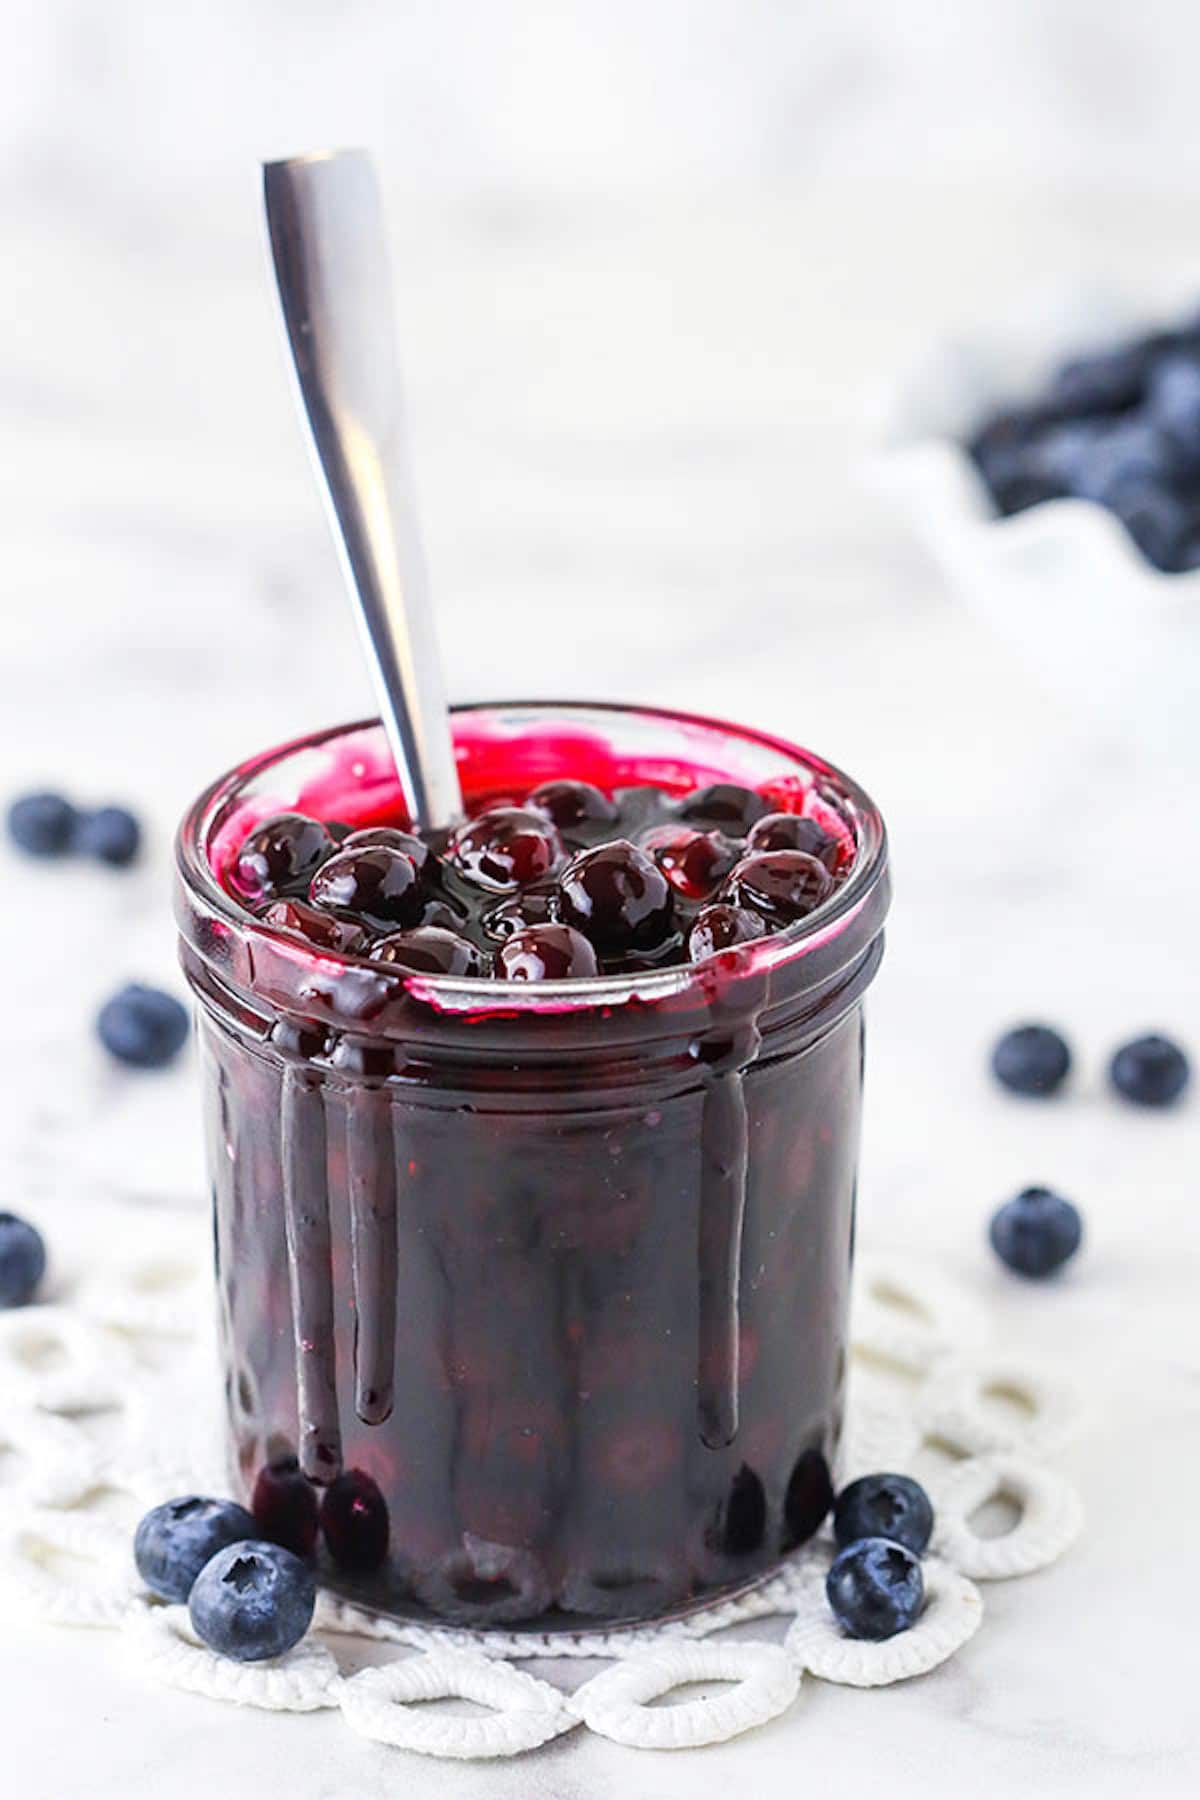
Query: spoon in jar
[{"x": 329, "y": 250}]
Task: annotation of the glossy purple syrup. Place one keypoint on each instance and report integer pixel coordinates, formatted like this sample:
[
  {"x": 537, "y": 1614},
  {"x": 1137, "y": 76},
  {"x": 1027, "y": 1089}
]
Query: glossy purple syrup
[
  {"x": 549, "y": 1302},
  {"x": 630, "y": 872}
]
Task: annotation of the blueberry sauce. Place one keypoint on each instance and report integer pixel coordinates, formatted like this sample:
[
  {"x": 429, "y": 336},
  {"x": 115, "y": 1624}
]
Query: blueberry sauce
[
  {"x": 547, "y": 1295},
  {"x": 631, "y": 873}
]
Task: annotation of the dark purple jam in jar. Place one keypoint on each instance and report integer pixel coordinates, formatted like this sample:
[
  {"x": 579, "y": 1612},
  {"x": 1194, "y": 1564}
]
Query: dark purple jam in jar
[{"x": 533, "y": 1153}]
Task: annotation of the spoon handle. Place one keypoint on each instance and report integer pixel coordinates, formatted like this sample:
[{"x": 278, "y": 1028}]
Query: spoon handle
[{"x": 329, "y": 249}]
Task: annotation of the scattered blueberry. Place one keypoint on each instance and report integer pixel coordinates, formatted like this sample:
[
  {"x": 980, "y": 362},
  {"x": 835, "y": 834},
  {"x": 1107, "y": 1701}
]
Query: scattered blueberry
[
  {"x": 41, "y": 824},
  {"x": 1031, "y": 1059},
  {"x": 1150, "y": 1071},
  {"x": 884, "y": 1506},
  {"x": 253, "y": 1600},
  {"x": 143, "y": 1027},
  {"x": 22, "y": 1260},
  {"x": 111, "y": 834},
  {"x": 1036, "y": 1233},
  {"x": 175, "y": 1540},
  {"x": 875, "y": 1588}
]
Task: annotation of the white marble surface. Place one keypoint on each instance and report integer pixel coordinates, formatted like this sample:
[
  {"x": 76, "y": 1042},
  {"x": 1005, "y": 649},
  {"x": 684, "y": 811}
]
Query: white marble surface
[{"x": 637, "y": 423}]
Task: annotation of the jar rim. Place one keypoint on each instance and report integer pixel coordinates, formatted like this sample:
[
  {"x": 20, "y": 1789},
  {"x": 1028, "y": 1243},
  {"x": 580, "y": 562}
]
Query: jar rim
[{"x": 200, "y": 882}]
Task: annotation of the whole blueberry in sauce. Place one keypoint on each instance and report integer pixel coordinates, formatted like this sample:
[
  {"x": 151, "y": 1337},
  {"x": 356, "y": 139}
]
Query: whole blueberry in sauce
[
  {"x": 280, "y": 856},
  {"x": 586, "y": 882}
]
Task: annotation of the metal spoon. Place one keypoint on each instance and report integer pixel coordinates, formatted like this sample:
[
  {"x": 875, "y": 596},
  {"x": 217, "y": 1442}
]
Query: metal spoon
[{"x": 328, "y": 245}]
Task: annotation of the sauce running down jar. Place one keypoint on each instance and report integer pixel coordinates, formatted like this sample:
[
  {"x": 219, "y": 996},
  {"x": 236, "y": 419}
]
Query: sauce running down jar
[{"x": 534, "y": 1291}]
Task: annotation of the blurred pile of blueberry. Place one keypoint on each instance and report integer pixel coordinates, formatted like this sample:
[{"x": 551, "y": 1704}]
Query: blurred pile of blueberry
[{"x": 1120, "y": 427}]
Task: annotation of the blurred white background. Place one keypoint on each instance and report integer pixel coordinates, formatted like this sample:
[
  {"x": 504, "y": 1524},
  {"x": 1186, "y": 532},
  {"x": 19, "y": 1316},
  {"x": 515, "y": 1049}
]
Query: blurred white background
[
  {"x": 173, "y": 100},
  {"x": 655, "y": 264}
]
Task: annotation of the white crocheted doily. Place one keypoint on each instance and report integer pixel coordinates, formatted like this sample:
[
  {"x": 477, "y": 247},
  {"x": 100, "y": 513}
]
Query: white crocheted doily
[{"x": 105, "y": 1395}]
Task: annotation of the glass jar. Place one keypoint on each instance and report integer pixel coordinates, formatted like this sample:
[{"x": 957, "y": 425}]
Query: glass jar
[{"x": 543, "y": 1286}]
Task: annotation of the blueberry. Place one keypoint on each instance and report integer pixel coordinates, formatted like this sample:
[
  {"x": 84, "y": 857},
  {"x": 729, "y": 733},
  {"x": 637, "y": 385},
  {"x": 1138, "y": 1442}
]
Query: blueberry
[
  {"x": 317, "y": 926},
  {"x": 22, "y": 1260},
  {"x": 781, "y": 886},
  {"x": 506, "y": 848},
  {"x": 280, "y": 857},
  {"x": 789, "y": 831},
  {"x": 1031, "y": 1059},
  {"x": 1023, "y": 483},
  {"x": 41, "y": 824},
  {"x": 726, "y": 805},
  {"x": 617, "y": 897},
  {"x": 1001, "y": 436},
  {"x": 1173, "y": 403},
  {"x": 285, "y": 1506},
  {"x": 719, "y": 927},
  {"x": 380, "y": 885},
  {"x": 875, "y": 1588},
  {"x": 1036, "y": 1233},
  {"x": 1150, "y": 1071},
  {"x": 355, "y": 1522},
  {"x": 1106, "y": 381},
  {"x": 143, "y": 1027},
  {"x": 175, "y": 1540},
  {"x": 1065, "y": 453},
  {"x": 534, "y": 906},
  {"x": 1007, "y": 455},
  {"x": 571, "y": 803},
  {"x": 1157, "y": 520},
  {"x": 1125, "y": 459},
  {"x": 110, "y": 834},
  {"x": 252, "y": 1601},
  {"x": 694, "y": 862},
  {"x": 884, "y": 1506},
  {"x": 431, "y": 950}
]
